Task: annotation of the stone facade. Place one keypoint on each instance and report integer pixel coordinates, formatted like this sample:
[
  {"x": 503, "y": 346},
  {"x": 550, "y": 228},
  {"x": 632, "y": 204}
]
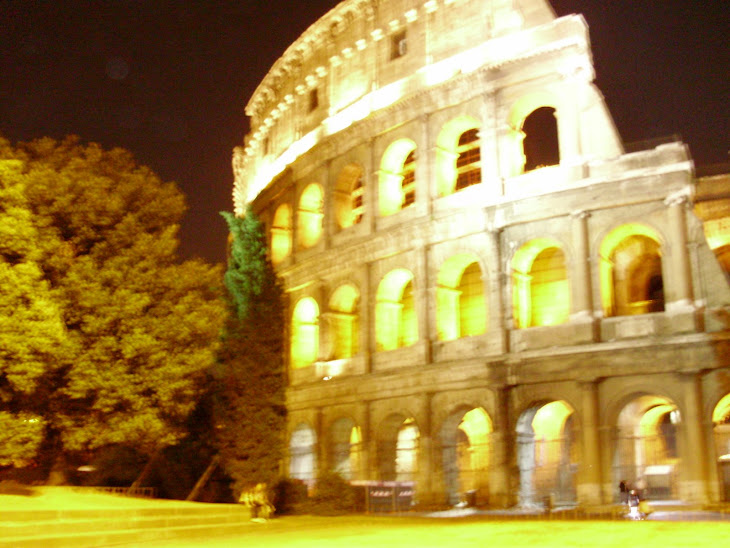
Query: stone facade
[{"x": 488, "y": 294}]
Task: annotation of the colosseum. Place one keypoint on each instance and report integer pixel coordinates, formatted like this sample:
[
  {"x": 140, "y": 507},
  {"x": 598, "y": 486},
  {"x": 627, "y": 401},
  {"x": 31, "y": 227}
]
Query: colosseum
[{"x": 492, "y": 299}]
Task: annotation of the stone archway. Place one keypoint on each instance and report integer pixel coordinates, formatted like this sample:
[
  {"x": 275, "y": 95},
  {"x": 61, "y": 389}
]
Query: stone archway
[
  {"x": 466, "y": 456},
  {"x": 721, "y": 431},
  {"x": 546, "y": 454},
  {"x": 646, "y": 454},
  {"x": 398, "y": 444},
  {"x": 302, "y": 453}
]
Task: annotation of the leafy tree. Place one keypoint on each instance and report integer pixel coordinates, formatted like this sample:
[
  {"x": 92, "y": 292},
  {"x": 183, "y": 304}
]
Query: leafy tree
[
  {"x": 33, "y": 335},
  {"x": 141, "y": 325},
  {"x": 251, "y": 411}
]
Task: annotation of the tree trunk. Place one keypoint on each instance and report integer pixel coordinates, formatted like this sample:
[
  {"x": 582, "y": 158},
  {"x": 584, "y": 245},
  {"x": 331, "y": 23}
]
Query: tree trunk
[{"x": 203, "y": 479}]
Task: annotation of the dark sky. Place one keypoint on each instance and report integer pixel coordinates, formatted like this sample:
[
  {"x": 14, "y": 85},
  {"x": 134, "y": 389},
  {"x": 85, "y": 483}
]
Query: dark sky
[{"x": 169, "y": 80}]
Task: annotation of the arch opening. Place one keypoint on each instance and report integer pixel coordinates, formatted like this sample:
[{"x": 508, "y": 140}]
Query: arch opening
[
  {"x": 460, "y": 299},
  {"x": 466, "y": 456},
  {"x": 304, "y": 333},
  {"x": 540, "y": 289},
  {"x": 396, "y": 324},
  {"x": 631, "y": 272},
  {"x": 310, "y": 216},
  {"x": 646, "y": 455},
  {"x": 302, "y": 454},
  {"x": 547, "y": 454},
  {"x": 346, "y": 449},
  {"x": 721, "y": 434}
]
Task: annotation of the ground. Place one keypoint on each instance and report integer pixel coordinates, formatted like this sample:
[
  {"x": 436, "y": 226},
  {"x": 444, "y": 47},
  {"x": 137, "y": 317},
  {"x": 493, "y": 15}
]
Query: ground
[
  {"x": 407, "y": 532},
  {"x": 413, "y": 531}
]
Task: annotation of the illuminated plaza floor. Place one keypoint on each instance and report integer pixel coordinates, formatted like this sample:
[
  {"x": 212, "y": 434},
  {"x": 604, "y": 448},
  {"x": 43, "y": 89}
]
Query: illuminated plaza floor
[{"x": 382, "y": 532}]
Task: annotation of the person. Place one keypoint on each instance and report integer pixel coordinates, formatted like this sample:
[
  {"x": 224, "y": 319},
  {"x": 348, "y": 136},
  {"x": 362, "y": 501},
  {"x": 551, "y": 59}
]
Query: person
[
  {"x": 634, "y": 505},
  {"x": 258, "y": 501},
  {"x": 623, "y": 491}
]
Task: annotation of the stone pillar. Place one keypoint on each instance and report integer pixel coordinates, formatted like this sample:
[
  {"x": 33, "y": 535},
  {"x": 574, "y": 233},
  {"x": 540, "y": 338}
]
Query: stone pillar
[
  {"x": 367, "y": 455},
  {"x": 488, "y": 148},
  {"x": 423, "y": 296},
  {"x": 424, "y": 485},
  {"x": 681, "y": 295},
  {"x": 590, "y": 478},
  {"x": 424, "y": 166},
  {"x": 502, "y": 440},
  {"x": 694, "y": 456},
  {"x": 582, "y": 290},
  {"x": 367, "y": 318},
  {"x": 495, "y": 291},
  {"x": 321, "y": 452}
]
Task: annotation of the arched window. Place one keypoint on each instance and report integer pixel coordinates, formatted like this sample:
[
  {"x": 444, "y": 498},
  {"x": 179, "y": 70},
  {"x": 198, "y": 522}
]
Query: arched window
[
  {"x": 469, "y": 162},
  {"x": 349, "y": 196},
  {"x": 408, "y": 184},
  {"x": 541, "y": 295},
  {"x": 540, "y": 144},
  {"x": 458, "y": 156},
  {"x": 396, "y": 324},
  {"x": 302, "y": 454},
  {"x": 346, "y": 448},
  {"x": 281, "y": 234},
  {"x": 461, "y": 305},
  {"x": 631, "y": 272},
  {"x": 305, "y": 333},
  {"x": 310, "y": 216},
  {"x": 397, "y": 179},
  {"x": 344, "y": 322}
]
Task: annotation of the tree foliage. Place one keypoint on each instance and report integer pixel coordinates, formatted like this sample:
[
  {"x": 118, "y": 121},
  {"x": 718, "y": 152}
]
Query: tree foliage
[
  {"x": 114, "y": 333},
  {"x": 251, "y": 411}
]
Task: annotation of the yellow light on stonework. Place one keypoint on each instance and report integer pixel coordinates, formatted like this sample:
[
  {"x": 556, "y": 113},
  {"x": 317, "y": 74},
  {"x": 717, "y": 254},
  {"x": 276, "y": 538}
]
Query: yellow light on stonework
[
  {"x": 447, "y": 152},
  {"x": 395, "y": 319},
  {"x": 305, "y": 333},
  {"x": 344, "y": 321},
  {"x": 355, "y": 452},
  {"x": 460, "y": 304},
  {"x": 550, "y": 419},
  {"x": 391, "y": 176},
  {"x": 650, "y": 421},
  {"x": 549, "y": 426},
  {"x": 281, "y": 234},
  {"x": 722, "y": 409},
  {"x": 540, "y": 290},
  {"x": 406, "y": 456},
  {"x": 310, "y": 215},
  {"x": 477, "y": 426},
  {"x": 607, "y": 267}
]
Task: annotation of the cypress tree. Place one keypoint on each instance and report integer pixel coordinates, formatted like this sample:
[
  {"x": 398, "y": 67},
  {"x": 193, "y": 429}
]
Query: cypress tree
[{"x": 250, "y": 403}]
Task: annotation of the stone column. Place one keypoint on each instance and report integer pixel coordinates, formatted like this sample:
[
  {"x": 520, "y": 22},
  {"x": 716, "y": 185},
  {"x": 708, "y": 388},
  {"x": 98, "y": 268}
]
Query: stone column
[
  {"x": 424, "y": 162},
  {"x": 582, "y": 289},
  {"x": 495, "y": 291},
  {"x": 367, "y": 318},
  {"x": 321, "y": 452},
  {"x": 489, "y": 147},
  {"x": 502, "y": 440},
  {"x": 590, "y": 484},
  {"x": 424, "y": 484},
  {"x": 694, "y": 454},
  {"x": 423, "y": 297},
  {"x": 681, "y": 295},
  {"x": 367, "y": 455}
]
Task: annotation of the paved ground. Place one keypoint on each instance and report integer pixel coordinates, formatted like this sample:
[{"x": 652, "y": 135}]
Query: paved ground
[{"x": 382, "y": 532}]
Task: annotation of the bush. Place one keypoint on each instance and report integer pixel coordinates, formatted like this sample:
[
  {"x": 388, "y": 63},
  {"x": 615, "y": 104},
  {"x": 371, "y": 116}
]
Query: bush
[
  {"x": 333, "y": 496},
  {"x": 289, "y": 496}
]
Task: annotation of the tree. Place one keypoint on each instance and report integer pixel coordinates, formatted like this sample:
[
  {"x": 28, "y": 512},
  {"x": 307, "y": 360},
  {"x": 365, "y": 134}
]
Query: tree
[
  {"x": 34, "y": 339},
  {"x": 251, "y": 409},
  {"x": 142, "y": 326}
]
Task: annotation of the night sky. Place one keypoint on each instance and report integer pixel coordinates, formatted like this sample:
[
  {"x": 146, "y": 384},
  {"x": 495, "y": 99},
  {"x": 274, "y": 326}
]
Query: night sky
[{"x": 169, "y": 80}]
